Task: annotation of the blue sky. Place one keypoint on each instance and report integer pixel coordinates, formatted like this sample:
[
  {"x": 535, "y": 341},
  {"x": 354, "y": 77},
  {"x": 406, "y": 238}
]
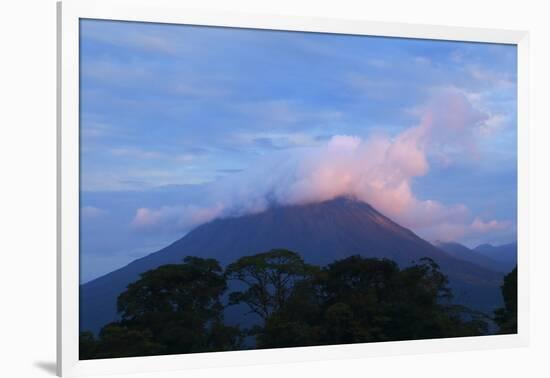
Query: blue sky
[{"x": 181, "y": 124}]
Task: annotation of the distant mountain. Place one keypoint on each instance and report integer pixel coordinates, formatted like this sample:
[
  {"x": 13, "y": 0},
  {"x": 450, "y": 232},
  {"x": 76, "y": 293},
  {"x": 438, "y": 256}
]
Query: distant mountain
[
  {"x": 320, "y": 232},
  {"x": 464, "y": 253},
  {"x": 506, "y": 254}
]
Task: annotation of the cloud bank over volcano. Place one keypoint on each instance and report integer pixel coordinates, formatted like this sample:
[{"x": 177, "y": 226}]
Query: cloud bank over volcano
[{"x": 379, "y": 170}]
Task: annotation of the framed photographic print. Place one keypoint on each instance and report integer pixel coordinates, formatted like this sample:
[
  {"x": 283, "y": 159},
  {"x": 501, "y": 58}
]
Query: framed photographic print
[{"x": 246, "y": 188}]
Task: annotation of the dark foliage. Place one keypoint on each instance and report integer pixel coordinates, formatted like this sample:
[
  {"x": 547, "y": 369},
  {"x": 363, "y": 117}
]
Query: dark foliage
[
  {"x": 364, "y": 300},
  {"x": 88, "y": 345},
  {"x": 173, "y": 309},
  {"x": 507, "y": 317},
  {"x": 178, "y": 309},
  {"x": 269, "y": 279}
]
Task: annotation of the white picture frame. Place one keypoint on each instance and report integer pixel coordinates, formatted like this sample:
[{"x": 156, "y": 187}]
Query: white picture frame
[{"x": 170, "y": 11}]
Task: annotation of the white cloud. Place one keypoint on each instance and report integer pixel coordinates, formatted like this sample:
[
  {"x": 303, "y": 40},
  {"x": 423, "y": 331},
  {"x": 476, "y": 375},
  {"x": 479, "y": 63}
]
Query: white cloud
[
  {"x": 141, "y": 154},
  {"x": 177, "y": 218},
  {"x": 480, "y": 226},
  {"x": 137, "y": 38},
  {"x": 91, "y": 212},
  {"x": 490, "y": 77},
  {"x": 284, "y": 113},
  {"x": 92, "y": 129}
]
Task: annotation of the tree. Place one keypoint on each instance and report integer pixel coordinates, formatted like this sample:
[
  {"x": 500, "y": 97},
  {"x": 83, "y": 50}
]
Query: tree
[
  {"x": 363, "y": 300},
  {"x": 299, "y": 322},
  {"x": 357, "y": 292},
  {"x": 87, "y": 345},
  {"x": 507, "y": 317},
  {"x": 177, "y": 308},
  {"x": 268, "y": 280},
  {"x": 172, "y": 309},
  {"x": 194, "y": 286},
  {"x": 120, "y": 340}
]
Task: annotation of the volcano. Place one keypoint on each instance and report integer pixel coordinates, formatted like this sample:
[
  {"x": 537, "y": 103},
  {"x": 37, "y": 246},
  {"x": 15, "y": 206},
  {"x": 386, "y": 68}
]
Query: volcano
[{"x": 319, "y": 232}]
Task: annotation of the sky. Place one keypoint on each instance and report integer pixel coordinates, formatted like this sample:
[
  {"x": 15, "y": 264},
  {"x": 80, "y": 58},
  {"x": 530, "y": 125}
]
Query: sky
[{"x": 182, "y": 124}]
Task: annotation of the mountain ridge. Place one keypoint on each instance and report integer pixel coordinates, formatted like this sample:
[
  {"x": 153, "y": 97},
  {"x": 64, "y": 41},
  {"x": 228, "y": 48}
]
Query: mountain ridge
[
  {"x": 462, "y": 252},
  {"x": 505, "y": 254}
]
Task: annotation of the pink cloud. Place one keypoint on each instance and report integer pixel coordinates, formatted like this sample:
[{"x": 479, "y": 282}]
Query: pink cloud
[
  {"x": 177, "y": 217},
  {"x": 378, "y": 170},
  {"x": 475, "y": 230},
  {"x": 482, "y": 227}
]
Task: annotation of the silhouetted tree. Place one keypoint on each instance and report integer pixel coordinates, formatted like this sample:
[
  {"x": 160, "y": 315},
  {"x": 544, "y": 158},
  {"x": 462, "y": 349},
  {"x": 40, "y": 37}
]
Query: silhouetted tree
[
  {"x": 507, "y": 317},
  {"x": 195, "y": 286},
  {"x": 172, "y": 309},
  {"x": 88, "y": 345},
  {"x": 177, "y": 308},
  {"x": 268, "y": 279},
  {"x": 362, "y": 300},
  {"x": 120, "y": 340}
]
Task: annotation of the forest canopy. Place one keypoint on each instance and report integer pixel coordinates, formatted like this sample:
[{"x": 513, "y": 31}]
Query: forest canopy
[{"x": 181, "y": 308}]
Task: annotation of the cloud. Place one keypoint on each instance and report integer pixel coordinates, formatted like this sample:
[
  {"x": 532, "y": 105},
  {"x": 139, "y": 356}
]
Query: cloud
[
  {"x": 90, "y": 212},
  {"x": 491, "y": 77},
  {"x": 176, "y": 218},
  {"x": 115, "y": 73},
  {"x": 284, "y": 113},
  {"x": 140, "y": 154},
  {"x": 421, "y": 60},
  {"x": 479, "y": 226},
  {"x": 141, "y": 37},
  {"x": 186, "y": 88},
  {"x": 274, "y": 140},
  {"x": 494, "y": 124},
  {"x": 379, "y": 170},
  {"x": 378, "y": 63},
  {"x": 134, "y": 153},
  {"x": 470, "y": 233},
  {"x": 92, "y": 129}
]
